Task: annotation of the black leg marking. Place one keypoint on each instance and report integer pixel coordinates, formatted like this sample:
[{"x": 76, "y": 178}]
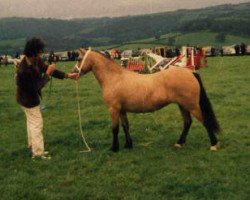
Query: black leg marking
[
  {"x": 212, "y": 138},
  {"x": 125, "y": 126},
  {"x": 187, "y": 121},
  {"x": 115, "y": 145}
]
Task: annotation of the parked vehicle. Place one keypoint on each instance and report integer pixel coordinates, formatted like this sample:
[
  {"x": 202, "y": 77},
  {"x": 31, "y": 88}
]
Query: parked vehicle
[{"x": 229, "y": 50}]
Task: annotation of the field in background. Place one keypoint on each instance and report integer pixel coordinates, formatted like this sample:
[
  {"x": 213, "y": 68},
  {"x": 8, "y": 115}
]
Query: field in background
[
  {"x": 194, "y": 39},
  {"x": 153, "y": 169},
  {"x": 180, "y": 39}
]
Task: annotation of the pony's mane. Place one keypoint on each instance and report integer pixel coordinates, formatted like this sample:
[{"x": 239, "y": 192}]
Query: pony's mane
[
  {"x": 104, "y": 54},
  {"x": 115, "y": 65}
]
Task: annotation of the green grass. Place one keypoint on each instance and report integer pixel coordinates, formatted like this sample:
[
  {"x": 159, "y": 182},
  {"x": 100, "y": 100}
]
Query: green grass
[{"x": 153, "y": 169}]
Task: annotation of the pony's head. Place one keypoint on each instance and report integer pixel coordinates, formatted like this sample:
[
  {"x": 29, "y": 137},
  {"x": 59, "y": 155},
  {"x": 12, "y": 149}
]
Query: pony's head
[{"x": 83, "y": 64}]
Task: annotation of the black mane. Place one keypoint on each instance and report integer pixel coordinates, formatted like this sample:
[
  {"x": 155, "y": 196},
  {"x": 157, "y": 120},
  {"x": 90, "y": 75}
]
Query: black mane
[{"x": 104, "y": 54}]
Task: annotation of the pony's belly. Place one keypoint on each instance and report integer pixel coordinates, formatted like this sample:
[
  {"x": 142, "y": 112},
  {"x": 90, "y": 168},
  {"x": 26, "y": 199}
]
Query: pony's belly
[{"x": 145, "y": 107}]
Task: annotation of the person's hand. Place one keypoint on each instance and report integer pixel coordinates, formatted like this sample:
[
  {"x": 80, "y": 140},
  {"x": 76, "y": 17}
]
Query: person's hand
[
  {"x": 74, "y": 76},
  {"x": 51, "y": 68}
]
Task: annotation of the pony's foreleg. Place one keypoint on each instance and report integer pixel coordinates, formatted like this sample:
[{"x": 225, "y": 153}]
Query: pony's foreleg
[
  {"x": 187, "y": 121},
  {"x": 115, "y": 128},
  {"x": 125, "y": 125}
]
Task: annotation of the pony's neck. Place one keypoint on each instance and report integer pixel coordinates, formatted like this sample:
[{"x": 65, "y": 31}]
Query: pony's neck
[{"x": 105, "y": 70}]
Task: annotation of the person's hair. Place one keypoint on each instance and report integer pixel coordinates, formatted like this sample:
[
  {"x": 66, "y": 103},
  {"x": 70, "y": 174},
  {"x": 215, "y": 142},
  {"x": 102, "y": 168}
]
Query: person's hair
[{"x": 34, "y": 46}]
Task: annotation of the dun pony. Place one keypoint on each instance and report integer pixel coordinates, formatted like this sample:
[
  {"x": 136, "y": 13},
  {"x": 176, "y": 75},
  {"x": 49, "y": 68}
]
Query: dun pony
[{"x": 125, "y": 91}]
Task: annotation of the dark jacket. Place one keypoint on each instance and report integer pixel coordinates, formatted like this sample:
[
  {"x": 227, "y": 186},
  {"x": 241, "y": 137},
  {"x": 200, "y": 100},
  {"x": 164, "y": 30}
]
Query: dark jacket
[{"x": 30, "y": 79}]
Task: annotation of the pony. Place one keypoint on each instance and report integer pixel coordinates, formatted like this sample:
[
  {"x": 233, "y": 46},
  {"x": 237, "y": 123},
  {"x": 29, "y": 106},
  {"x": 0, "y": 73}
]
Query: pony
[{"x": 126, "y": 91}]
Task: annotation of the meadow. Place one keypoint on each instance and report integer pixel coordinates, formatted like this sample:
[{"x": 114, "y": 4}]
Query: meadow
[{"x": 153, "y": 169}]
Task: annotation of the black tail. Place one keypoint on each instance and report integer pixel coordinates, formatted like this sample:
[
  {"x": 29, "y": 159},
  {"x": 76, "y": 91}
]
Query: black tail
[{"x": 209, "y": 118}]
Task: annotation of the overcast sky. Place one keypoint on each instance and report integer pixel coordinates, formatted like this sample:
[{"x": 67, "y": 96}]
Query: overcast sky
[{"x": 67, "y": 9}]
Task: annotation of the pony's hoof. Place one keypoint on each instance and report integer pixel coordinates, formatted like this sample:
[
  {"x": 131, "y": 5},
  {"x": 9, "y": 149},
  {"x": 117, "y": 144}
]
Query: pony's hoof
[
  {"x": 179, "y": 145},
  {"x": 214, "y": 147},
  {"x": 114, "y": 149},
  {"x": 128, "y": 145}
]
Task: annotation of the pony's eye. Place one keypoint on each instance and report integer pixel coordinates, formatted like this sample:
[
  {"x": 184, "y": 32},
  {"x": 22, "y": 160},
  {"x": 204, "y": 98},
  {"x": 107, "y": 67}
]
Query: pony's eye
[{"x": 79, "y": 59}]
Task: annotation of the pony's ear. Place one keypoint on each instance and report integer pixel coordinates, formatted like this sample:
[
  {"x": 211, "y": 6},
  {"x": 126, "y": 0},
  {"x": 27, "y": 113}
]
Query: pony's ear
[{"x": 82, "y": 51}]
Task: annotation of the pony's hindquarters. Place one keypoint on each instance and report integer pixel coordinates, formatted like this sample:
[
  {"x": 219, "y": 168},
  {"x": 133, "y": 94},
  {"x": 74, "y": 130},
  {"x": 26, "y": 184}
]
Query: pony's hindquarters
[{"x": 191, "y": 97}]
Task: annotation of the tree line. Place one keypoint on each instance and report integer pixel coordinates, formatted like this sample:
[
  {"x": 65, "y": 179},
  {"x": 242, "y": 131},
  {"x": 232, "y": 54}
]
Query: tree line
[{"x": 70, "y": 34}]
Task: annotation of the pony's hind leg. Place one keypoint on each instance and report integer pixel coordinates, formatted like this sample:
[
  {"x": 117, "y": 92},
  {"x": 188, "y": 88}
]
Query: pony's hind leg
[
  {"x": 115, "y": 128},
  {"x": 197, "y": 113},
  {"x": 125, "y": 125},
  {"x": 187, "y": 121},
  {"x": 204, "y": 112}
]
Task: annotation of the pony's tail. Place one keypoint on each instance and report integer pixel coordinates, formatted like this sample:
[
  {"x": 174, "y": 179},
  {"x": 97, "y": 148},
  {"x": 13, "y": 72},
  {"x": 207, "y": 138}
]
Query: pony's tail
[{"x": 209, "y": 118}]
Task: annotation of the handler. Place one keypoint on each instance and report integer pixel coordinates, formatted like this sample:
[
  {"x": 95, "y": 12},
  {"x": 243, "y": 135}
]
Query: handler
[{"x": 32, "y": 76}]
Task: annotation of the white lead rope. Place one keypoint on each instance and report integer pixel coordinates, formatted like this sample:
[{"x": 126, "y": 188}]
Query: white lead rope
[
  {"x": 80, "y": 119},
  {"x": 78, "y": 103}
]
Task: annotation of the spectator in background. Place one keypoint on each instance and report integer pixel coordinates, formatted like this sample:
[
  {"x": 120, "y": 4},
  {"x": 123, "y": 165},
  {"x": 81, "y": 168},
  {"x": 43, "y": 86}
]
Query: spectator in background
[
  {"x": 213, "y": 51},
  {"x": 237, "y": 49},
  {"x": 77, "y": 55},
  {"x": 221, "y": 52},
  {"x": 243, "y": 49},
  {"x": 73, "y": 56},
  {"x": 177, "y": 51},
  {"x": 51, "y": 57},
  {"x": 69, "y": 55},
  {"x": 198, "y": 50}
]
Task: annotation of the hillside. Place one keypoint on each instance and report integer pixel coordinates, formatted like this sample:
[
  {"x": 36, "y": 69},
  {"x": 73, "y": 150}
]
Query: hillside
[{"x": 231, "y": 20}]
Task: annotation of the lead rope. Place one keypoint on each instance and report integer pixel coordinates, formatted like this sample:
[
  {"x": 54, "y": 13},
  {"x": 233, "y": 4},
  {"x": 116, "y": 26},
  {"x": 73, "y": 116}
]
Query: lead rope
[
  {"x": 80, "y": 119},
  {"x": 78, "y": 105}
]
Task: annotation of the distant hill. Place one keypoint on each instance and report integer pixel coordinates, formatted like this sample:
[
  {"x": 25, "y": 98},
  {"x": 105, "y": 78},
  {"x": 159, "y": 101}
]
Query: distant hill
[{"x": 231, "y": 20}]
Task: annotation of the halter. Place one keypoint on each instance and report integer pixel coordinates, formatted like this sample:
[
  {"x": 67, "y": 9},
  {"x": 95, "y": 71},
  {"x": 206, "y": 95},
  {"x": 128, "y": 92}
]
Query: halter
[{"x": 83, "y": 61}]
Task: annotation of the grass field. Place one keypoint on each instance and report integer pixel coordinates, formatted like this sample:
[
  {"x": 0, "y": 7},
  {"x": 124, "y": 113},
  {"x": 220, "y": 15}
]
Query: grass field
[{"x": 153, "y": 169}]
